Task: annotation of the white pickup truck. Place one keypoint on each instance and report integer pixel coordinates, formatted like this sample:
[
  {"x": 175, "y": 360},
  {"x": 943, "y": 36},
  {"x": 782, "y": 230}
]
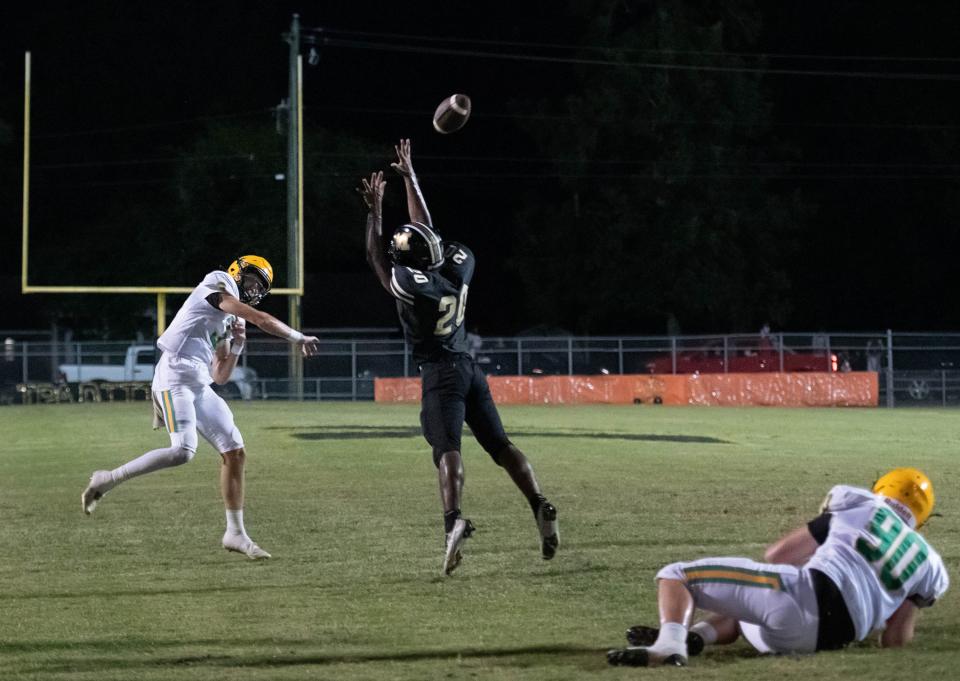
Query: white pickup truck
[{"x": 138, "y": 365}]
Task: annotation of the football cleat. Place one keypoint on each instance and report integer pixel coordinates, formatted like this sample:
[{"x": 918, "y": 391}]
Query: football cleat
[
  {"x": 643, "y": 657},
  {"x": 462, "y": 529},
  {"x": 549, "y": 530},
  {"x": 641, "y": 635},
  {"x": 240, "y": 543},
  {"x": 100, "y": 483}
]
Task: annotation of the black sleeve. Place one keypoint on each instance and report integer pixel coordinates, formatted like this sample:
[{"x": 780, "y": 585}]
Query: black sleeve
[
  {"x": 214, "y": 299},
  {"x": 820, "y": 527}
]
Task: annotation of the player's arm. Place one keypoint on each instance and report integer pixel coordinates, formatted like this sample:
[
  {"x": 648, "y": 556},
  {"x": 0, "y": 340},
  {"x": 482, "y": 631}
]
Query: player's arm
[
  {"x": 899, "y": 630},
  {"x": 372, "y": 193},
  {"x": 228, "y": 352},
  {"x": 796, "y": 547},
  {"x": 268, "y": 323},
  {"x": 416, "y": 205}
]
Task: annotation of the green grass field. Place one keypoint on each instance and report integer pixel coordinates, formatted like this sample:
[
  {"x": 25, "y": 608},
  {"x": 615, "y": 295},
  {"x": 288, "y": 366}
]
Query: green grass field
[{"x": 345, "y": 497}]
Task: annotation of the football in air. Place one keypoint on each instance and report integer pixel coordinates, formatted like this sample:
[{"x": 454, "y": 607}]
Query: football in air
[{"x": 452, "y": 114}]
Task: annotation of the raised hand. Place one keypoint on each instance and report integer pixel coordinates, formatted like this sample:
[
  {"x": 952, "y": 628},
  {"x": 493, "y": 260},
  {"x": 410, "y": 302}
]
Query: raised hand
[
  {"x": 372, "y": 191},
  {"x": 404, "y": 164}
]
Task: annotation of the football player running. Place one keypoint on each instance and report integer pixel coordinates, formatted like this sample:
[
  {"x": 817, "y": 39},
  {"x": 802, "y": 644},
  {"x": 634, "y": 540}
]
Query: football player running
[
  {"x": 430, "y": 278},
  {"x": 201, "y": 346},
  {"x": 859, "y": 566}
]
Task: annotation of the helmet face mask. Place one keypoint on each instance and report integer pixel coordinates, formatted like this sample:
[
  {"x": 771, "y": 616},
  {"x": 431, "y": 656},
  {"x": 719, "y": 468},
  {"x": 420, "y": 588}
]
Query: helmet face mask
[
  {"x": 417, "y": 246},
  {"x": 254, "y": 277},
  {"x": 908, "y": 491}
]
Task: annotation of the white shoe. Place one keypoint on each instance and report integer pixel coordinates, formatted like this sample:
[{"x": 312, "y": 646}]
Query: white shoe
[
  {"x": 241, "y": 543},
  {"x": 462, "y": 529},
  {"x": 100, "y": 484},
  {"x": 549, "y": 530}
]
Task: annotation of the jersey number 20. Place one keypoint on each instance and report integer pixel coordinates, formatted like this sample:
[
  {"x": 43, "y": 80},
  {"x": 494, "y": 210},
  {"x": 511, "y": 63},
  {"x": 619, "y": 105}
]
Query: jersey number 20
[
  {"x": 451, "y": 306},
  {"x": 897, "y": 551}
]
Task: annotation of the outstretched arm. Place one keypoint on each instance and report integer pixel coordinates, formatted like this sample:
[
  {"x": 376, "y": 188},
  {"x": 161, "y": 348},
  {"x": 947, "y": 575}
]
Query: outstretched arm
[
  {"x": 269, "y": 323},
  {"x": 794, "y": 548},
  {"x": 372, "y": 193},
  {"x": 899, "y": 631},
  {"x": 416, "y": 205}
]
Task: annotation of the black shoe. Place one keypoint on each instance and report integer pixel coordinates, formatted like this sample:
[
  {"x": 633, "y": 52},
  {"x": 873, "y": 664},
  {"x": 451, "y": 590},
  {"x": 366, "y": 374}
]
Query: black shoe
[
  {"x": 647, "y": 636},
  {"x": 549, "y": 529},
  {"x": 640, "y": 657}
]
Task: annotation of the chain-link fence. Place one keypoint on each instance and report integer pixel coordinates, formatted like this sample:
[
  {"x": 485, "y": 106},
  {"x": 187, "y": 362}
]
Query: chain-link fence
[{"x": 914, "y": 368}]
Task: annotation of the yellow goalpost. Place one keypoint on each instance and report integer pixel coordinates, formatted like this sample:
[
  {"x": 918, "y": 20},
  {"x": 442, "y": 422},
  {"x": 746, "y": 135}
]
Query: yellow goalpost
[{"x": 161, "y": 292}]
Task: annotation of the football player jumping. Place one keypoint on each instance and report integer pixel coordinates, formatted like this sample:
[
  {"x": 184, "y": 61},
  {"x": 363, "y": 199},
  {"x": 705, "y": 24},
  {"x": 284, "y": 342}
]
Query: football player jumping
[
  {"x": 859, "y": 566},
  {"x": 430, "y": 278},
  {"x": 201, "y": 346}
]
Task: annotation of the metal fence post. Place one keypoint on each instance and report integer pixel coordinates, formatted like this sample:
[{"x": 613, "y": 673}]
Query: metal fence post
[
  {"x": 406, "y": 359},
  {"x": 519, "y": 357},
  {"x": 890, "y": 398},
  {"x": 726, "y": 355},
  {"x": 353, "y": 370},
  {"x": 570, "y": 356},
  {"x": 25, "y": 363},
  {"x": 780, "y": 342},
  {"x": 943, "y": 386},
  {"x": 620, "y": 354},
  {"x": 673, "y": 354}
]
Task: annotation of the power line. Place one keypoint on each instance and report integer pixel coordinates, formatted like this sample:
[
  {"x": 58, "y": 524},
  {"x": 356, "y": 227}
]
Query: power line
[
  {"x": 387, "y": 47},
  {"x": 151, "y": 126},
  {"x": 620, "y": 49}
]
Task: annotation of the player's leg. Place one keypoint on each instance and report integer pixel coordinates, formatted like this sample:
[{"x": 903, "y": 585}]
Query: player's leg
[
  {"x": 712, "y": 630},
  {"x": 484, "y": 420},
  {"x": 777, "y": 598},
  {"x": 215, "y": 423},
  {"x": 176, "y": 407},
  {"x": 441, "y": 418}
]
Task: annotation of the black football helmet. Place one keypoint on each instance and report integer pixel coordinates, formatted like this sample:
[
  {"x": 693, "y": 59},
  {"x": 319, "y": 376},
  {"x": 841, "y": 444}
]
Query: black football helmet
[{"x": 416, "y": 245}]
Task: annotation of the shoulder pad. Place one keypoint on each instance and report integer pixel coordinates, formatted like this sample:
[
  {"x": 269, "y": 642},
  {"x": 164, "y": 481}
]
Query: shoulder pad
[{"x": 844, "y": 497}]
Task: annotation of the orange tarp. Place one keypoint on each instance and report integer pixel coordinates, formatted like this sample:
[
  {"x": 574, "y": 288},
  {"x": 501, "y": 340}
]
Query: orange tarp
[{"x": 800, "y": 389}]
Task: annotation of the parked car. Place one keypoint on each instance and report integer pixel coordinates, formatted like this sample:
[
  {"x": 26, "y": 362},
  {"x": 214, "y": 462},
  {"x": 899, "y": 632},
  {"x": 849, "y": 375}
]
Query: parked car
[
  {"x": 138, "y": 365},
  {"x": 712, "y": 359}
]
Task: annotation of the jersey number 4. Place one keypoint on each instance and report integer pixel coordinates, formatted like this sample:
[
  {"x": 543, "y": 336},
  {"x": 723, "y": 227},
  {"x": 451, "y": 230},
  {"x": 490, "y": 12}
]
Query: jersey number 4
[
  {"x": 894, "y": 550},
  {"x": 452, "y": 309}
]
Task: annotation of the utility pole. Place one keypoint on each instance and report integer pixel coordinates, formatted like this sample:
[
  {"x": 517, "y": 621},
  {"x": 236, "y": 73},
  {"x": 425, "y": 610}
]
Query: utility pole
[{"x": 294, "y": 203}]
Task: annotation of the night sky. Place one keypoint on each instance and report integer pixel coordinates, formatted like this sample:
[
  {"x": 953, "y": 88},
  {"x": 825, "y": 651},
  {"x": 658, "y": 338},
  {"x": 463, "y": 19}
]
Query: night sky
[{"x": 120, "y": 89}]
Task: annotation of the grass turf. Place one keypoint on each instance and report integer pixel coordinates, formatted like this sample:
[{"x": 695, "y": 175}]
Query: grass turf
[{"x": 345, "y": 497}]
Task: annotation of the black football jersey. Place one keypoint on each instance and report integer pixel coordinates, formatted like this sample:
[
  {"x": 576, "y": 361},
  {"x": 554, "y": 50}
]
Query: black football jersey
[{"x": 432, "y": 305}]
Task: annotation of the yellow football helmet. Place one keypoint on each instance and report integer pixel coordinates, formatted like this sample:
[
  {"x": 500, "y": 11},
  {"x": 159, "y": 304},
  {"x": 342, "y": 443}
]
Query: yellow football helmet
[
  {"x": 254, "y": 288},
  {"x": 909, "y": 487}
]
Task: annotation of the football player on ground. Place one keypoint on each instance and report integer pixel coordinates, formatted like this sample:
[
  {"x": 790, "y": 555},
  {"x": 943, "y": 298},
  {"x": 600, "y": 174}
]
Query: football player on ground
[
  {"x": 859, "y": 566},
  {"x": 430, "y": 278},
  {"x": 201, "y": 346}
]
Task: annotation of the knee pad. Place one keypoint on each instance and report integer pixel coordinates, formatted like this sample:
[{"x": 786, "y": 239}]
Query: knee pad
[
  {"x": 672, "y": 571},
  {"x": 181, "y": 455}
]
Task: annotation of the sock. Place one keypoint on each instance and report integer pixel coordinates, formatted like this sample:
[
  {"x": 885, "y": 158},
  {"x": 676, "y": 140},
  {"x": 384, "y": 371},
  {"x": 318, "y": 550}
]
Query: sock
[
  {"x": 235, "y": 522},
  {"x": 535, "y": 501},
  {"x": 154, "y": 460},
  {"x": 705, "y": 631},
  {"x": 672, "y": 638},
  {"x": 449, "y": 518}
]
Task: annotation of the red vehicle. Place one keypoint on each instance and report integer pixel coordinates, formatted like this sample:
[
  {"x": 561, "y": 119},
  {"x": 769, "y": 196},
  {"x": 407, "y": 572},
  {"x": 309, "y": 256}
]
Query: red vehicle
[{"x": 741, "y": 357}]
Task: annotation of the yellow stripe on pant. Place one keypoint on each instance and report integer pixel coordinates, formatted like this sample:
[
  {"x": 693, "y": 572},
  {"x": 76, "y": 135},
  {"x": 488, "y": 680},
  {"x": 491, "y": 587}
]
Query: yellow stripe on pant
[{"x": 725, "y": 574}]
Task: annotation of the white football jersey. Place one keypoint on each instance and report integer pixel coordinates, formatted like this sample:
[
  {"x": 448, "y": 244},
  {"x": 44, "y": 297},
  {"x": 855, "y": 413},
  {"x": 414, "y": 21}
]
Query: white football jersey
[
  {"x": 875, "y": 558},
  {"x": 198, "y": 326}
]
